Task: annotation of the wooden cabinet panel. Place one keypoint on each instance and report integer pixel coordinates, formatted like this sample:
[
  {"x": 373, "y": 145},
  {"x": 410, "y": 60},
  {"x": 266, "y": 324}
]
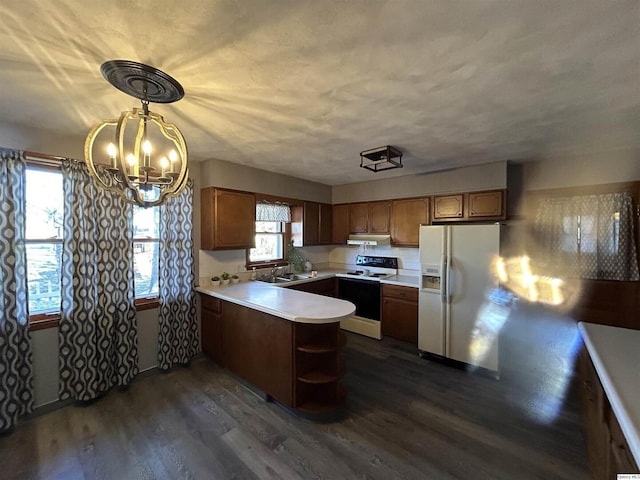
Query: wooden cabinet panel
[
  {"x": 257, "y": 347},
  {"x": 594, "y": 409},
  {"x": 400, "y": 313},
  {"x": 379, "y": 215},
  {"x": 311, "y": 223},
  {"x": 211, "y": 327},
  {"x": 406, "y": 217},
  {"x": 620, "y": 459},
  {"x": 340, "y": 230},
  {"x": 487, "y": 204},
  {"x": 326, "y": 224},
  {"x": 358, "y": 218},
  {"x": 227, "y": 219},
  {"x": 448, "y": 206}
]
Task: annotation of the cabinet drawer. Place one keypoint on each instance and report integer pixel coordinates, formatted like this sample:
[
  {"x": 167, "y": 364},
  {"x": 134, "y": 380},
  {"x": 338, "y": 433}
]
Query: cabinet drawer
[
  {"x": 396, "y": 291},
  {"x": 211, "y": 303}
]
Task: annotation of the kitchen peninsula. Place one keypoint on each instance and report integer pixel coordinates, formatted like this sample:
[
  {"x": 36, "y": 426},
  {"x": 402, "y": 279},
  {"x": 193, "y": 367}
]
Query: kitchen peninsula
[{"x": 283, "y": 342}]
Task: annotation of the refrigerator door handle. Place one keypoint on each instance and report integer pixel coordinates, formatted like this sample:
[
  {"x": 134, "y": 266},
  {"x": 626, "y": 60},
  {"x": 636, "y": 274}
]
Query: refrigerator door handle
[{"x": 443, "y": 279}]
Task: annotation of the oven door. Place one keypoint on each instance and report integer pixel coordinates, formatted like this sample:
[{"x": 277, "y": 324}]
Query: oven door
[{"x": 364, "y": 294}]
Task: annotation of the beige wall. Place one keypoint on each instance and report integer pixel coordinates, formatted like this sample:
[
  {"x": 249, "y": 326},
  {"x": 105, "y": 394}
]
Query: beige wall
[
  {"x": 592, "y": 169},
  {"x": 41, "y": 141},
  {"x": 218, "y": 173},
  {"x": 481, "y": 177}
]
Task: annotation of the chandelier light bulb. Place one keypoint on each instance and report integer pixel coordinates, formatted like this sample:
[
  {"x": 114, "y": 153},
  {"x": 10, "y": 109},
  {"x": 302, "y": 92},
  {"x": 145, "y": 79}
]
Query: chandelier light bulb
[
  {"x": 111, "y": 150},
  {"x": 146, "y": 147}
]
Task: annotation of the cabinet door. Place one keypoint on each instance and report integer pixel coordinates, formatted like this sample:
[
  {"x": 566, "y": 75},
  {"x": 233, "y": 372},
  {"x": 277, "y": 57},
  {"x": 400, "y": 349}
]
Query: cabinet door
[
  {"x": 400, "y": 319},
  {"x": 379, "y": 215},
  {"x": 620, "y": 459},
  {"x": 228, "y": 219},
  {"x": 340, "y": 230},
  {"x": 594, "y": 406},
  {"x": 486, "y": 204},
  {"x": 207, "y": 220},
  {"x": 358, "y": 218},
  {"x": 406, "y": 217},
  {"x": 211, "y": 326},
  {"x": 326, "y": 224},
  {"x": 448, "y": 206},
  {"x": 311, "y": 223}
]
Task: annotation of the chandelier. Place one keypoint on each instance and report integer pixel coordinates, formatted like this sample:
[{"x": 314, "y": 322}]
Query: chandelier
[{"x": 139, "y": 155}]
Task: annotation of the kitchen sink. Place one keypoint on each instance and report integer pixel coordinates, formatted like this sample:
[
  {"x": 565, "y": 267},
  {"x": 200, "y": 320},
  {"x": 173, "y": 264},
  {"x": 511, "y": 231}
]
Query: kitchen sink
[
  {"x": 286, "y": 278},
  {"x": 294, "y": 276},
  {"x": 274, "y": 280}
]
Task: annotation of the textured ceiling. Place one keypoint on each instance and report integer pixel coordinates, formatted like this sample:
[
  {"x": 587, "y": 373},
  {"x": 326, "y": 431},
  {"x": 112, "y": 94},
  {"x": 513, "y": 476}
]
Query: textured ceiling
[{"x": 301, "y": 87}]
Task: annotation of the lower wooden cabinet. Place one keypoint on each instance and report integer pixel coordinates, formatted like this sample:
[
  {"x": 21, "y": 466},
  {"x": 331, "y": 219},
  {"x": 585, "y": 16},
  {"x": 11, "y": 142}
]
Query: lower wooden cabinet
[
  {"x": 211, "y": 327},
  {"x": 318, "y": 367},
  {"x": 400, "y": 313},
  {"x": 606, "y": 445},
  {"x": 297, "y": 364}
]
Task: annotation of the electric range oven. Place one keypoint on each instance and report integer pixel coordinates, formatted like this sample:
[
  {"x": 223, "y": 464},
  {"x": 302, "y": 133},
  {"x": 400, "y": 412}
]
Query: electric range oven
[{"x": 362, "y": 288}]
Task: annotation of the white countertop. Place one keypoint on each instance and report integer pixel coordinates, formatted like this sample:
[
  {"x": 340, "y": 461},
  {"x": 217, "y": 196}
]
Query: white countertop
[
  {"x": 412, "y": 281},
  {"x": 291, "y": 305},
  {"x": 615, "y": 353}
]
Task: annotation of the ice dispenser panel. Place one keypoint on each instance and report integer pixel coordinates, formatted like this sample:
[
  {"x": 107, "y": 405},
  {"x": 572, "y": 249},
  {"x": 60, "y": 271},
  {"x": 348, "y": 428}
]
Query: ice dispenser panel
[{"x": 431, "y": 277}]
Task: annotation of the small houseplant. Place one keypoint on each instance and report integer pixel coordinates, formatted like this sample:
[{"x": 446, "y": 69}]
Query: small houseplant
[
  {"x": 235, "y": 278},
  {"x": 215, "y": 281},
  {"x": 225, "y": 278}
]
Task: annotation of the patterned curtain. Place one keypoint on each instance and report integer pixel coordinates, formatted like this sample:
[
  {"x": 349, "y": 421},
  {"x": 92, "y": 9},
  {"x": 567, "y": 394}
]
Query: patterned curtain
[
  {"x": 589, "y": 236},
  {"x": 98, "y": 333},
  {"x": 178, "y": 339},
  {"x": 273, "y": 212},
  {"x": 16, "y": 372}
]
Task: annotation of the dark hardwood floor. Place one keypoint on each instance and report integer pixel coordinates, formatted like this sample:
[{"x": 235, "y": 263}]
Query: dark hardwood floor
[{"x": 407, "y": 418}]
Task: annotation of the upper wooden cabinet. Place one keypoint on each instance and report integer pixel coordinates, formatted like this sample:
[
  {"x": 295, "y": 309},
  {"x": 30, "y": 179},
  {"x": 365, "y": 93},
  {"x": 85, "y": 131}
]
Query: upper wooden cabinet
[
  {"x": 406, "y": 217},
  {"x": 472, "y": 206},
  {"x": 326, "y": 224},
  {"x": 311, "y": 223},
  {"x": 316, "y": 223},
  {"x": 358, "y": 218},
  {"x": 370, "y": 217},
  {"x": 487, "y": 204},
  {"x": 448, "y": 206},
  {"x": 227, "y": 219},
  {"x": 379, "y": 217},
  {"x": 340, "y": 231}
]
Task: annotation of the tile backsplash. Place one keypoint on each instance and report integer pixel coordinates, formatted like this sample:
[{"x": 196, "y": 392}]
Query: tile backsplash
[{"x": 233, "y": 261}]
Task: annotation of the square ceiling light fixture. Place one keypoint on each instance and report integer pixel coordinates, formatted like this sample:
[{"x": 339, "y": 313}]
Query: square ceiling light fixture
[{"x": 381, "y": 158}]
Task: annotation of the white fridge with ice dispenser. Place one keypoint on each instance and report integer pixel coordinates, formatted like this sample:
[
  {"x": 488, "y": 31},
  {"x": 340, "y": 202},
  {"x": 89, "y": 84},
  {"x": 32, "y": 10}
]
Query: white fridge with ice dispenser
[{"x": 456, "y": 278}]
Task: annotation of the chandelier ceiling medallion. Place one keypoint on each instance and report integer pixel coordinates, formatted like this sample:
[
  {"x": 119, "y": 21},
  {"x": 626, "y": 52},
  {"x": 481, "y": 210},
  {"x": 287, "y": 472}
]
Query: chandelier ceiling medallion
[{"x": 139, "y": 156}]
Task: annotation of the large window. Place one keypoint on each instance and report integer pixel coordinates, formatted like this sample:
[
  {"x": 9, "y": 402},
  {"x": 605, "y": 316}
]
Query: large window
[
  {"x": 145, "y": 251},
  {"x": 44, "y": 214},
  {"x": 588, "y": 236},
  {"x": 269, "y": 243},
  {"x": 44, "y": 230}
]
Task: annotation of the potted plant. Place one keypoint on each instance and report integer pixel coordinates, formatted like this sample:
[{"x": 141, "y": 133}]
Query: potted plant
[
  {"x": 215, "y": 281},
  {"x": 235, "y": 278},
  {"x": 225, "y": 278}
]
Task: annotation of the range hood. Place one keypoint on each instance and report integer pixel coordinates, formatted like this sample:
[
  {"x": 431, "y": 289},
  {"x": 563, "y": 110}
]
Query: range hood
[{"x": 371, "y": 240}]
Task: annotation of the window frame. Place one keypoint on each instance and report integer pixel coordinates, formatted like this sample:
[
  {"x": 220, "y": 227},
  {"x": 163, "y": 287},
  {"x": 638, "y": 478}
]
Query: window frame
[
  {"x": 286, "y": 238},
  {"x": 45, "y": 320}
]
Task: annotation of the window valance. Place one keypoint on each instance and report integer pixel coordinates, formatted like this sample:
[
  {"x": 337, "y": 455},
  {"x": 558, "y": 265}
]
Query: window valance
[{"x": 273, "y": 212}]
